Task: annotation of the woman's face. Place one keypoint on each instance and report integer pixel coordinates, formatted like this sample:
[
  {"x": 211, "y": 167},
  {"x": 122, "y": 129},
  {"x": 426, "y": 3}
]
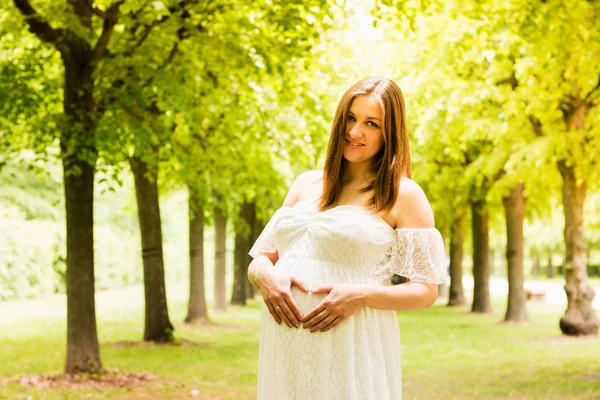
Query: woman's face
[{"x": 364, "y": 134}]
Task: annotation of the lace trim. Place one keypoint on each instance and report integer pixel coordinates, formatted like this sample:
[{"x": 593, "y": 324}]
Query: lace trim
[
  {"x": 265, "y": 243},
  {"x": 417, "y": 254}
]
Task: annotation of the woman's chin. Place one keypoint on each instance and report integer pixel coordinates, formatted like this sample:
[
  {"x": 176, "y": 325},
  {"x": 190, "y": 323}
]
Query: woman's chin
[{"x": 352, "y": 158}]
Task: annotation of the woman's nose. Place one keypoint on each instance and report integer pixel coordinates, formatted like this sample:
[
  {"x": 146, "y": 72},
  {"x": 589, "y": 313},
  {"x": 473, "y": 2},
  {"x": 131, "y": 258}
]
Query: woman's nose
[{"x": 355, "y": 130}]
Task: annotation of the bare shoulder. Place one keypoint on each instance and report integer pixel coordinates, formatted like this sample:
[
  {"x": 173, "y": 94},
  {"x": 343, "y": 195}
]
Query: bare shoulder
[
  {"x": 412, "y": 209},
  {"x": 302, "y": 182}
]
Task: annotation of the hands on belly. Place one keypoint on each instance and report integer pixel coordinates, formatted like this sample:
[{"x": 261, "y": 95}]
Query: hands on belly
[
  {"x": 341, "y": 301},
  {"x": 275, "y": 286}
]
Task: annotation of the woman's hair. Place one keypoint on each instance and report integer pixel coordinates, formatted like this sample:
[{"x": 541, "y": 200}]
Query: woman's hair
[{"x": 390, "y": 164}]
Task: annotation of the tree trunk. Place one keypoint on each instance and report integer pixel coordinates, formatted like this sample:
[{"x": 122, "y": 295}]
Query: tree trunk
[
  {"x": 157, "y": 326},
  {"x": 259, "y": 226},
  {"x": 220, "y": 260},
  {"x": 77, "y": 142},
  {"x": 481, "y": 259},
  {"x": 251, "y": 221},
  {"x": 82, "y": 339},
  {"x": 514, "y": 208},
  {"x": 240, "y": 269},
  {"x": 197, "y": 299},
  {"x": 580, "y": 317},
  {"x": 456, "y": 296},
  {"x": 549, "y": 268},
  {"x": 535, "y": 271}
]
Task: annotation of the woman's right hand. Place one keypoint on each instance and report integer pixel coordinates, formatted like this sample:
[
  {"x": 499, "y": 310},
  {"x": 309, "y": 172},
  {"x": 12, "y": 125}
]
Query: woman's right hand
[{"x": 275, "y": 286}]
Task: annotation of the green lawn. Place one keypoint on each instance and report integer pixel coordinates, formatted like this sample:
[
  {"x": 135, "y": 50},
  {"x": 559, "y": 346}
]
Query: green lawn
[{"x": 446, "y": 353}]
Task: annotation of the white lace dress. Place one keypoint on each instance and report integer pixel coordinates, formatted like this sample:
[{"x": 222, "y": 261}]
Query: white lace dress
[{"x": 360, "y": 358}]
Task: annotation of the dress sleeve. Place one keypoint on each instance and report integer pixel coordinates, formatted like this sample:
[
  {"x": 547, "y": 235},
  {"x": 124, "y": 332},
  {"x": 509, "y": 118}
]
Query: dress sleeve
[
  {"x": 417, "y": 254},
  {"x": 265, "y": 243}
]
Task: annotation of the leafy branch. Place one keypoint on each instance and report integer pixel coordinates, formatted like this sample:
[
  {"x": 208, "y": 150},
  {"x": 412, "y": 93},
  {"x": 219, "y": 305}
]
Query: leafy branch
[{"x": 37, "y": 25}]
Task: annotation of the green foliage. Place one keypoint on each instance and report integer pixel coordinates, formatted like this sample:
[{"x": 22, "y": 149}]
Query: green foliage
[
  {"x": 488, "y": 101},
  {"x": 26, "y": 268},
  {"x": 32, "y": 257},
  {"x": 30, "y": 88}
]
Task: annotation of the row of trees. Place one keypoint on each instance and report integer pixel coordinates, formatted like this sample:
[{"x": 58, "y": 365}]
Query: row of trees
[
  {"x": 508, "y": 103},
  {"x": 196, "y": 94}
]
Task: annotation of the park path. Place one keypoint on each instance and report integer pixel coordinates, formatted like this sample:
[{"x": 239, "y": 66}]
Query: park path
[
  {"x": 54, "y": 306},
  {"x": 553, "y": 289}
]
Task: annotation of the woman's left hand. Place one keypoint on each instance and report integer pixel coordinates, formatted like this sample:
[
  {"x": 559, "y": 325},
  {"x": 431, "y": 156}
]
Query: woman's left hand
[{"x": 343, "y": 300}]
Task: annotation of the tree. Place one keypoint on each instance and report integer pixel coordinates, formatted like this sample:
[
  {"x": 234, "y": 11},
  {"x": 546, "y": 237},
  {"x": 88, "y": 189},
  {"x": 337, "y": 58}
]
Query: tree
[
  {"x": 563, "y": 114},
  {"x": 514, "y": 206},
  {"x": 242, "y": 237},
  {"x": 481, "y": 258},
  {"x": 197, "y": 309},
  {"x": 157, "y": 326},
  {"x": 220, "y": 289},
  {"x": 456, "y": 295},
  {"x": 81, "y": 47}
]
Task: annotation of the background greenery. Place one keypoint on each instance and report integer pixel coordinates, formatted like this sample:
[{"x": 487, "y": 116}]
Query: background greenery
[{"x": 32, "y": 255}]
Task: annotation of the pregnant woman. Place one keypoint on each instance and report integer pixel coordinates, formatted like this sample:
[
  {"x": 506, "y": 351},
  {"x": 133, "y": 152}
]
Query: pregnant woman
[{"x": 324, "y": 261}]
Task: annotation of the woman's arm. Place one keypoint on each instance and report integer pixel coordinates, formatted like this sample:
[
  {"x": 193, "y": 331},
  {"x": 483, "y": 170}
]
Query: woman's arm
[
  {"x": 275, "y": 284},
  {"x": 344, "y": 299},
  {"x": 259, "y": 264},
  {"x": 412, "y": 210},
  {"x": 405, "y": 297}
]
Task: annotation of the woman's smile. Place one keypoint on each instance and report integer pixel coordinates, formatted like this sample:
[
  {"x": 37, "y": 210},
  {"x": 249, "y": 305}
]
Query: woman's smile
[{"x": 354, "y": 145}]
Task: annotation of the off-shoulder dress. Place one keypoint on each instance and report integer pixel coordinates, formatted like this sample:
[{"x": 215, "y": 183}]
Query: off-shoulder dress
[{"x": 360, "y": 358}]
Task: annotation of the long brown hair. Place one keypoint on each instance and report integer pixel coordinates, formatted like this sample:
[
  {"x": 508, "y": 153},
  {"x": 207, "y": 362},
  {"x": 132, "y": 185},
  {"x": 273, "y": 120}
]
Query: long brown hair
[{"x": 391, "y": 163}]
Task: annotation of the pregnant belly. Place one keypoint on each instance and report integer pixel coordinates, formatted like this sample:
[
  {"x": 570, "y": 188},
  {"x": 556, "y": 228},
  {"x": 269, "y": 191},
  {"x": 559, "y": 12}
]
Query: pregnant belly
[{"x": 315, "y": 273}]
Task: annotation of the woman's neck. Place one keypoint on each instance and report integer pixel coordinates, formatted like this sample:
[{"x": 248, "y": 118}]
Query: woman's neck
[{"x": 356, "y": 173}]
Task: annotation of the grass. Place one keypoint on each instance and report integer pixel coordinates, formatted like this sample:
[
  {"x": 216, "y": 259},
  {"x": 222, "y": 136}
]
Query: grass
[{"x": 446, "y": 353}]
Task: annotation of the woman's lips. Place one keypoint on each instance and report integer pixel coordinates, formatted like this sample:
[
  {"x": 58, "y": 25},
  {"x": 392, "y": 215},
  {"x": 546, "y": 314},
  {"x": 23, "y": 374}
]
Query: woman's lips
[{"x": 352, "y": 146}]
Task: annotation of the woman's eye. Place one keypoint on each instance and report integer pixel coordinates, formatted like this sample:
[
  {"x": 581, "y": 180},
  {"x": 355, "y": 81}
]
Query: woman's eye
[
  {"x": 372, "y": 124},
  {"x": 350, "y": 118}
]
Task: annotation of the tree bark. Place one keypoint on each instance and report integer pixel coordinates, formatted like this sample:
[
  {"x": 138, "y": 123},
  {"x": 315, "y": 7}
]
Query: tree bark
[
  {"x": 549, "y": 268},
  {"x": 456, "y": 296},
  {"x": 157, "y": 326},
  {"x": 259, "y": 226},
  {"x": 251, "y": 221},
  {"x": 535, "y": 270},
  {"x": 197, "y": 300},
  {"x": 79, "y": 154},
  {"x": 220, "y": 259},
  {"x": 492, "y": 262},
  {"x": 240, "y": 269},
  {"x": 83, "y": 353},
  {"x": 481, "y": 259},
  {"x": 514, "y": 208},
  {"x": 580, "y": 317}
]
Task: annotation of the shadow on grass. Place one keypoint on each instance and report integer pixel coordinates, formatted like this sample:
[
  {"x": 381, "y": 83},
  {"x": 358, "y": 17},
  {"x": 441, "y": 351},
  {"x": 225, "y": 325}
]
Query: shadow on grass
[
  {"x": 179, "y": 342},
  {"x": 211, "y": 325}
]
